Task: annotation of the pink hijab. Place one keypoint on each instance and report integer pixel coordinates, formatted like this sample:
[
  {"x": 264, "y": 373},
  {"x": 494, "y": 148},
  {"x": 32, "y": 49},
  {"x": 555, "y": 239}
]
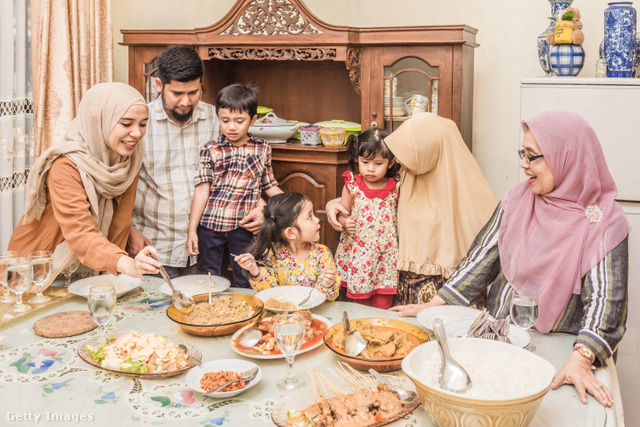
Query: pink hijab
[{"x": 549, "y": 242}]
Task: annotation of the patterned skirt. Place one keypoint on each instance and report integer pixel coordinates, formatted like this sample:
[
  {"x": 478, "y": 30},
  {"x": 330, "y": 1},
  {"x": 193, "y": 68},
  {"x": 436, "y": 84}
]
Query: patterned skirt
[{"x": 416, "y": 288}]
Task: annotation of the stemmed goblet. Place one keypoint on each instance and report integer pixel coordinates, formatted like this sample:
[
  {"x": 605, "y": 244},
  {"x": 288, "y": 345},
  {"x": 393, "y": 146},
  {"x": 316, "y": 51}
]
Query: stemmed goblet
[
  {"x": 524, "y": 311},
  {"x": 289, "y": 333},
  {"x": 42, "y": 267},
  {"x": 19, "y": 277},
  {"x": 101, "y": 302},
  {"x": 6, "y": 258},
  {"x": 68, "y": 271}
]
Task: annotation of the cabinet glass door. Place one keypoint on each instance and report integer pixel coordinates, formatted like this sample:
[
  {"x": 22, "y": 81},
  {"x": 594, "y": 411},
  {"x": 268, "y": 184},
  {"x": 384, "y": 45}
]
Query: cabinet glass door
[{"x": 410, "y": 86}]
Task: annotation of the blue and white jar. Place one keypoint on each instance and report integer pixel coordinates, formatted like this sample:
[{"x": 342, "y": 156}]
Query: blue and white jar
[
  {"x": 566, "y": 59},
  {"x": 620, "y": 38},
  {"x": 543, "y": 46}
]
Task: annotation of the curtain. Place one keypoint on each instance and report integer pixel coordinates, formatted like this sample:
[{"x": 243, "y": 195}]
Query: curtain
[
  {"x": 16, "y": 113},
  {"x": 72, "y": 51}
]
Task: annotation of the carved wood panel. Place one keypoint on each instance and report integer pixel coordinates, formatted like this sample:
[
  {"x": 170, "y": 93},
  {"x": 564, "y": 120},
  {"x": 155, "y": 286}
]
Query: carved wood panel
[
  {"x": 278, "y": 54},
  {"x": 270, "y": 18}
]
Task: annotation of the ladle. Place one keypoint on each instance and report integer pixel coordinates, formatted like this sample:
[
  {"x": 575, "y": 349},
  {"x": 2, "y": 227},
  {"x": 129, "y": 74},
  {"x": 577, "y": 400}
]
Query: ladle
[
  {"x": 248, "y": 375},
  {"x": 404, "y": 395},
  {"x": 182, "y": 301},
  {"x": 354, "y": 344},
  {"x": 453, "y": 376}
]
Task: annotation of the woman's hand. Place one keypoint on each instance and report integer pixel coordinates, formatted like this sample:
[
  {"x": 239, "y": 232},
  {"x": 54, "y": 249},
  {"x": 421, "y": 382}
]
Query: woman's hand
[
  {"x": 248, "y": 262},
  {"x": 414, "y": 309},
  {"x": 577, "y": 371},
  {"x": 144, "y": 263},
  {"x": 253, "y": 220},
  {"x": 328, "y": 278},
  {"x": 333, "y": 209}
]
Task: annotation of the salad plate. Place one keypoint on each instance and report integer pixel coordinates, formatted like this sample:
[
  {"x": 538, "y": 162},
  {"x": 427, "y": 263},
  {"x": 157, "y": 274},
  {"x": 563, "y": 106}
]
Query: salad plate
[{"x": 89, "y": 347}]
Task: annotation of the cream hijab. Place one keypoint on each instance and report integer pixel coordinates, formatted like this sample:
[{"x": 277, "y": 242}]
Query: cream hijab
[
  {"x": 446, "y": 203},
  {"x": 104, "y": 173}
]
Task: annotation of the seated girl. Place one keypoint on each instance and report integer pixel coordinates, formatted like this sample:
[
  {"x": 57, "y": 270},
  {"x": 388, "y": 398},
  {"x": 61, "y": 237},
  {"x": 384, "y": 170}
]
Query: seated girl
[{"x": 286, "y": 249}]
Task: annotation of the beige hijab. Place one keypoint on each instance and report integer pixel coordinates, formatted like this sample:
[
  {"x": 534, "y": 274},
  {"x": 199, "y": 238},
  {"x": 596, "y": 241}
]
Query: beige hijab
[
  {"x": 104, "y": 173},
  {"x": 446, "y": 203}
]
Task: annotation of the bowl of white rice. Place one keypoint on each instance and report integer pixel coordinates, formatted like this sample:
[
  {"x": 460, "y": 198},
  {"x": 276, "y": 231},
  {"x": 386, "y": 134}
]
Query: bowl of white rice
[{"x": 509, "y": 383}]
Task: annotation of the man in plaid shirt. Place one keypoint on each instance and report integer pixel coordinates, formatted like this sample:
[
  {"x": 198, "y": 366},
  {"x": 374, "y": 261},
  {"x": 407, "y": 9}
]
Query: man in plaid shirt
[{"x": 234, "y": 170}]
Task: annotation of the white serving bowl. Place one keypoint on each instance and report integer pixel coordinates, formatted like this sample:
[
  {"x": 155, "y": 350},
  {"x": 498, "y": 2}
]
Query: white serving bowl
[
  {"x": 274, "y": 129},
  {"x": 447, "y": 408}
]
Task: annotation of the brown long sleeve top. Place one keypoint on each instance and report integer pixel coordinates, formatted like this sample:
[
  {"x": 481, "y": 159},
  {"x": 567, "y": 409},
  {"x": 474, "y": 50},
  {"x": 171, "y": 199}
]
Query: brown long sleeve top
[{"x": 67, "y": 216}]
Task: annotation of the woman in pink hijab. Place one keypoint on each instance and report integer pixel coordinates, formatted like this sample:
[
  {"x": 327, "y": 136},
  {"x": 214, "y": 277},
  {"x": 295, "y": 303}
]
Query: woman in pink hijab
[{"x": 562, "y": 237}]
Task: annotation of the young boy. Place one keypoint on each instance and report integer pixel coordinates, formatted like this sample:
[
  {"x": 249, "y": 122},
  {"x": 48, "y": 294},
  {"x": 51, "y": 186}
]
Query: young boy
[{"x": 233, "y": 171}]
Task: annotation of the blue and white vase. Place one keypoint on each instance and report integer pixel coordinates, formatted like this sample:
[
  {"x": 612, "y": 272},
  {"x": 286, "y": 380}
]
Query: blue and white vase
[
  {"x": 636, "y": 62},
  {"x": 620, "y": 38},
  {"x": 566, "y": 59},
  {"x": 543, "y": 46}
]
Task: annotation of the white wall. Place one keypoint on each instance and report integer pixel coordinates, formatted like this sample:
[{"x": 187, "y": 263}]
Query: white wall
[{"x": 507, "y": 35}]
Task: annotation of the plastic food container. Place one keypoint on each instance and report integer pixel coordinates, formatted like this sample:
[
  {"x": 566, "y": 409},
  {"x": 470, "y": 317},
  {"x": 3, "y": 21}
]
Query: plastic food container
[
  {"x": 333, "y": 137},
  {"x": 352, "y": 128},
  {"x": 310, "y": 135}
]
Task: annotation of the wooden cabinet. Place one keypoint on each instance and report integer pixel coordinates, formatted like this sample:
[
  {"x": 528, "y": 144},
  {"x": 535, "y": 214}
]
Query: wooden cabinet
[{"x": 311, "y": 71}]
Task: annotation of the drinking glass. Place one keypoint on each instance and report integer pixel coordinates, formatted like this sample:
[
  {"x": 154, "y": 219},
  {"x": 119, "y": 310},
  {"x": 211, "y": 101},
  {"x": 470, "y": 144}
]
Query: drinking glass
[
  {"x": 524, "y": 312},
  {"x": 101, "y": 302},
  {"x": 6, "y": 258},
  {"x": 289, "y": 332},
  {"x": 19, "y": 277},
  {"x": 67, "y": 272},
  {"x": 42, "y": 267}
]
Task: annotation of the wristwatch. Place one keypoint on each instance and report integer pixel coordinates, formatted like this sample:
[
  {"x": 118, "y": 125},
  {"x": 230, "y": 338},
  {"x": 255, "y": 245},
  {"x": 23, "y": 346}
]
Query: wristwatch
[{"x": 585, "y": 352}]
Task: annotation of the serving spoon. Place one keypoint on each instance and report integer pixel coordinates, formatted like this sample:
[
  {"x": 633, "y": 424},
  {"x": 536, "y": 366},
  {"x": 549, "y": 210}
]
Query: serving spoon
[
  {"x": 404, "y": 395},
  {"x": 247, "y": 375},
  {"x": 182, "y": 301},
  {"x": 354, "y": 344},
  {"x": 251, "y": 336},
  {"x": 186, "y": 352},
  {"x": 453, "y": 376}
]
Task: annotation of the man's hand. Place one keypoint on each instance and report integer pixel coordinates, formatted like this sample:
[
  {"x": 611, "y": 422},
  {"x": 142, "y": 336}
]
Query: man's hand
[{"x": 137, "y": 241}]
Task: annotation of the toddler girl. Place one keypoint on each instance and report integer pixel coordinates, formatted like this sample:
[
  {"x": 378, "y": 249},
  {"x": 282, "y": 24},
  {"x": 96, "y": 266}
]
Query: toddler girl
[
  {"x": 286, "y": 246},
  {"x": 368, "y": 251}
]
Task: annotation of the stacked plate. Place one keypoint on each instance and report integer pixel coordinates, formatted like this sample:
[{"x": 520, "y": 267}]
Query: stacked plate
[{"x": 398, "y": 106}]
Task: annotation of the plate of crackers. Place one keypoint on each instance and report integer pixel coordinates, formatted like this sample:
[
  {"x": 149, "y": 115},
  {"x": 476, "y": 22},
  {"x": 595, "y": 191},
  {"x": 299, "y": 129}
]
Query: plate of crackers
[
  {"x": 280, "y": 299},
  {"x": 122, "y": 284},
  {"x": 140, "y": 355}
]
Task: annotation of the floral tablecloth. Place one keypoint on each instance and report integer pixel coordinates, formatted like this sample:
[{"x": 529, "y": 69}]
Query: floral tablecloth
[{"x": 44, "y": 381}]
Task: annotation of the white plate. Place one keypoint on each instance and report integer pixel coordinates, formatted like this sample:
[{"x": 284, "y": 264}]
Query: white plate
[
  {"x": 121, "y": 283},
  {"x": 235, "y": 347},
  {"x": 458, "y": 328},
  {"x": 301, "y": 399},
  {"x": 294, "y": 294},
  {"x": 236, "y": 365},
  {"x": 448, "y": 313},
  {"x": 196, "y": 284}
]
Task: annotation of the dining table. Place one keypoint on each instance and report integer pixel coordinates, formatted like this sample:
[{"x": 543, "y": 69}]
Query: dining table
[{"x": 44, "y": 381}]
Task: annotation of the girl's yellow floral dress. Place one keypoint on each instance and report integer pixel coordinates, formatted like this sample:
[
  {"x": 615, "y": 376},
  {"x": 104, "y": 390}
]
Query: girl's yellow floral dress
[{"x": 285, "y": 270}]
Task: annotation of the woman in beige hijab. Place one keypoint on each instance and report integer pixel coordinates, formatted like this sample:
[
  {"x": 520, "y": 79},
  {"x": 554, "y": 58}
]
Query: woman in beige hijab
[
  {"x": 80, "y": 192},
  {"x": 444, "y": 202}
]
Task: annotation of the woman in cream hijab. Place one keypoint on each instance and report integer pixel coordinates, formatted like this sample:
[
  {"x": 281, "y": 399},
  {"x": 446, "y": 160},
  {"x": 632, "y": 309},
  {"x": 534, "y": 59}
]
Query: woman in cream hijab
[
  {"x": 444, "y": 202},
  {"x": 80, "y": 192}
]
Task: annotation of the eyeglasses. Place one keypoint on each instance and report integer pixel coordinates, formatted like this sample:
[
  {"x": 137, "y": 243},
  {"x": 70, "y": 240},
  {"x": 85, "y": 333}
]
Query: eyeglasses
[{"x": 527, "y": 157}]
